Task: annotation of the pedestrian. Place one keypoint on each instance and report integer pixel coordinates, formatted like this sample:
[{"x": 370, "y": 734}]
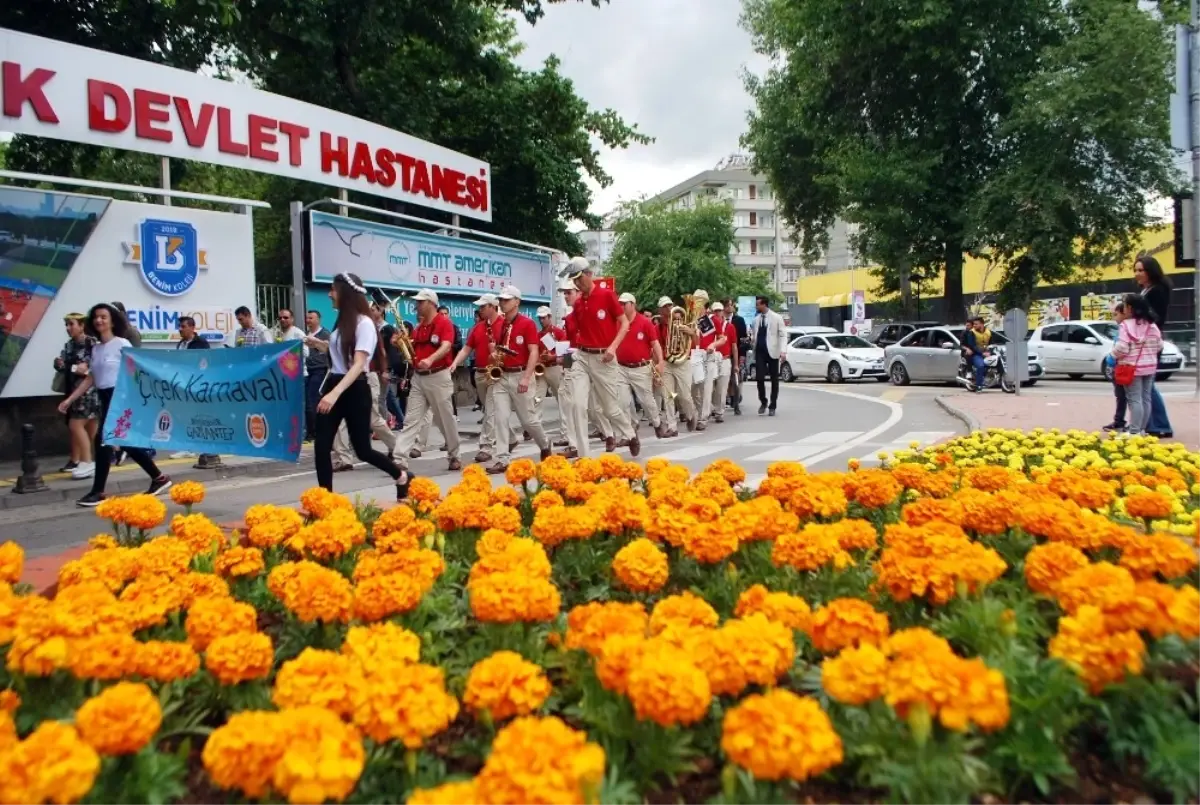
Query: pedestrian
[
  {"x": 478, "y": 351},
  {"x": 346, "y": 395},
  {"x": 740, "y": 351},
  {"x": 430, "y": 398},
  {"x": 72, "y": 365},
  {"x": 1118, "y": 421},
  {"x": 107, "y": 325},
  {"x": 190, "y": 339},
  {"x": 376, "y": 371},
  {"x": 769, "y": 336},
  {"x": 250, "y": 332},
  {"x": 1156, "y": 289},
  {"x": 395, "y": 369},
  {"x": 1136, "y": 352},
  {"x": 134, "y": 336},
  {"x": 316, "y": 366}
]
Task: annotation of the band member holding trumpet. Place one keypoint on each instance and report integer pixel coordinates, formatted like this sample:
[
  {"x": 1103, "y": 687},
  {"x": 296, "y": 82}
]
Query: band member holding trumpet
[
  {"x": 549, "y": 380},
  {"x": 676, "y": 344},
  {"x": 511, "y": 374},
  {"x": 602, "y": 326},
  {"x": 641, "y": 360},
  {"x": 479, "y": 343},
  {"x": 432, "y": 385},
  {"x": 717, "y": 344}
]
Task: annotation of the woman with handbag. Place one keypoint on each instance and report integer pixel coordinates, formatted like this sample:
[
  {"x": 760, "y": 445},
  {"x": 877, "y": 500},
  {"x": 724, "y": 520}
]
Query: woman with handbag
[
  {"x": 1136, "y": 352},
  {"x": 71, "y": 367}
]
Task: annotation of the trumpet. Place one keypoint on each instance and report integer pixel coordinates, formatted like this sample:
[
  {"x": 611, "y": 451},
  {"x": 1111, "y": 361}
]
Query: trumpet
[
  {"x": 539, "y": 370},
  {"x": 400, "y": 339},
  {"x": 657, "y": 382}
]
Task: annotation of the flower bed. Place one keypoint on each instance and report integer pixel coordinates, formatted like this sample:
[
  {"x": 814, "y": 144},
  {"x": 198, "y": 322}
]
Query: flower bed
[{"x": 1007, "y": 615}]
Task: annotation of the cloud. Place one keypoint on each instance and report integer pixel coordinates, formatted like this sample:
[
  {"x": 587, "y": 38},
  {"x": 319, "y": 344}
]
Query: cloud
[{"x": 673, "y": 67}]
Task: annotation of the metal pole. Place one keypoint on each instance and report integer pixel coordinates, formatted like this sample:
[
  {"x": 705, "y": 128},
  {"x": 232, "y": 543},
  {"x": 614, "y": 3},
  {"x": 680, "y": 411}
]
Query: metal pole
[
  {"x": 299, "y": 303},
  {"x": 1194, "y": 105},
  {"x": 343, "y": 196},
  {"x": 454, "y": 222},
  {"x": 166, "y": 179}
]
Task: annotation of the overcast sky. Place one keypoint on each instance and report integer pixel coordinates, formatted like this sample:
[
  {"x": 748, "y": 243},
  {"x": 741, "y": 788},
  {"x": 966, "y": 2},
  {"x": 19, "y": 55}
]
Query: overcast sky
[{"x": 672, "y": 66}]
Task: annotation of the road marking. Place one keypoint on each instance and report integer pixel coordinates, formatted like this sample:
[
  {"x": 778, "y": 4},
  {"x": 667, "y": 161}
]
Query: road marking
[
  {"x": 897, "y": 413},
  {"x": 807, "y": 446}
]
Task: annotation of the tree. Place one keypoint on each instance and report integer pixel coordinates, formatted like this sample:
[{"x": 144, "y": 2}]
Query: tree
[
  {"x": 946, "y": 127},
  {"x": 663, "y": 251}
]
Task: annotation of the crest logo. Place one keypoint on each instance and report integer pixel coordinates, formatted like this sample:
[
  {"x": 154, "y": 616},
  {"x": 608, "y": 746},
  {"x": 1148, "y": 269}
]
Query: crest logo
[
  {"x": 257, "y": 429},
  {"x": 163, "y": 425},
  {"x": 168, "y": 254}
]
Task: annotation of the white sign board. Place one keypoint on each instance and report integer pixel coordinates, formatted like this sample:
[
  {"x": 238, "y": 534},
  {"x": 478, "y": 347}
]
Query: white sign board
[
  {"x": 61, "y": 253},
  {"x": 406, "y": 259},
  {"x": 860, "y": 328},
  {"x": 68, "y": 92},
  {"x": 858, "y": 305}
]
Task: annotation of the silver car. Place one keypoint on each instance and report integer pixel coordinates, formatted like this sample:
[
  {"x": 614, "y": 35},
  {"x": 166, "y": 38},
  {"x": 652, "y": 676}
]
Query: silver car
[{"x": 931, "y": 354}]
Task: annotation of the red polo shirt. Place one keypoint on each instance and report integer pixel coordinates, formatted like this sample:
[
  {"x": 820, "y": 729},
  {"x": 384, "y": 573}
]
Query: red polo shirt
[
  {"x": 637, "y": 344},
  {"x": 427, "y": 338},
  {"x": 664, "y": 326},
  {"x": 520, "y": 337},
  {"x": 559, "y": 334},
  {"x": 570, "y": 330},
  {"x": 478, "y": 341},
  {"x": 720, "y": 327},
  {"x": 598, "y": 317}
]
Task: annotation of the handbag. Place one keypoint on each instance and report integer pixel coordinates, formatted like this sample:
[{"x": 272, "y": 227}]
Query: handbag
[
  {"x": 1124, "y": 373},
  {"x": 59, "y": 384}
]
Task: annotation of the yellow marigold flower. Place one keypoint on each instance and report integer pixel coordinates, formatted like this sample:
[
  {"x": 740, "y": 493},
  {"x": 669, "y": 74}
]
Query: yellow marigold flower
[
  {"x": 520, "y": 471},
  {"x": 778, "y": 735},
  {"x": 1097, "y": 655},
  {"x": 1048, "y": 565},
  {"x": 328, "y": 538},
  {"x": 874, "y": 489},
  {"x": 1184, "y": 612},
  {"x": 847, "y": 622},
  {"x": 1102, "y": 585},
  {"x": 210, "y": 618},
  {"x": 381, "y": 644},
  {"x": 12, "y": 562},
  {"x": 424, "y": 490},
  {"x": 684, "y": 611},
  {"x": 1160, "y": 554},
  {"x": 200, "y": 534},
  {"x": 513, "y": 597},
  {"x": 187, "y": 493},
  {"x": 165, "y": 661},
  {"x": 103, "y": 656},
  {"x": 742, "y": 652},
  {"x": 321, "y": 678},
  {"x": 323, "y": 759},
  {"x": 817, "y": 496},
  {"x": 547, "y": 497},
  {"x": 710, "y": 542},
  {"x": 392, "y": 521},
  {"x": 589, "y": 625},
  {"x": 312, "y": 592},
  {"x": 505, "y": 496},
  {"x": 320, "y": 503},
  {"x": 408, "y": 703},
  {"x": 666, "y": 687},
  {"x": 379, "y": 597},
  {"x": 856, "y": 675},
  {"x": 641, "y": 566},
  {"x": 493, "y": 541},
  {"x": 553, "y": 525},
  {"x": 813, "y": 547},
  {"x": 453, "y": 793},
  {"x": 519, "y": 555},
  {"x": 506, "y": 685},
  {"x": 504, "y": 518},
  {"x": 241, "y": 754},
  {"x": 1148, "y": 505},
  {"x": 52, "y": 765},
  {"x": 239, "y": 562},
  {"x": 268, "y": 526},
  {"x": 540, "y": 760},
  {"x": 924, "y": 510},
  {"x": 120, "y": 720},
  {"x": 789, "y": 610},
  {"x": 240, "y": 657}
]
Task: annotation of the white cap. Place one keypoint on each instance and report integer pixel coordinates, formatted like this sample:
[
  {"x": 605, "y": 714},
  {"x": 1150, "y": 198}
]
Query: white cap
[
  {"x": 627, "y": 297},
  {"x": 510, "y": 292},
  {"x": 543, "y": 311},
  {"x": 487, "y": 299},
  {"x": 700, "y": 293},
  {"x": 717, "y": 307},
  {"x": 425, "y": 295},
  {"x": 566, "y": 285},
  {"x": 663, "y": 301},
  {"x": 576, "y": 266}
]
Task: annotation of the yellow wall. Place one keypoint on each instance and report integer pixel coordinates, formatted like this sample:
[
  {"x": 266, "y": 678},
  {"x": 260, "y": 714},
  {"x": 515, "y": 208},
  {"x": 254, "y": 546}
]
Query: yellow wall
[{"x": 1158, "y": 241}]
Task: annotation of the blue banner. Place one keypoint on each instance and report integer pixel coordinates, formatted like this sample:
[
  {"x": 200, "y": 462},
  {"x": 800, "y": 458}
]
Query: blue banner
[{"x": 247, "y": 401}]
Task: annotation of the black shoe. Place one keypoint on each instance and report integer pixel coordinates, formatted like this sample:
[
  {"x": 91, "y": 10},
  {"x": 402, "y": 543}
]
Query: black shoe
[
  {"x": 771, "y": 412},
  {"x": 1114, "y": 426},
  {"x": 737, "y": 410},
  {"x": 70, "y": 465},
  {"x": 762, "y": 410},
  {"x": 1161, "y": 434},
  {"x": 402, "y": 488},
  {"x": 90, "y": 500},
  {"x": 160, "y": 484},
  {"x": 118, "y": 457}
]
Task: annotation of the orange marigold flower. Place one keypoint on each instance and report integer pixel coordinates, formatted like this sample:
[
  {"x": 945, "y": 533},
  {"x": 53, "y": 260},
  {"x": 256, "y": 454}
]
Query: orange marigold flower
[
  {"x": 166, "y": 661},
  {"x": 329, "y": 537},
  {"x": 682, "y": 612},
  {"x": 239, "y": 562},
  {"x": 187, "y": 493},
  {"x": 513, "y": 597},
  {"x": 553, "y": 525},
  {"x": 989, "y": 478},
  {"x": 547, "y": 497},
  {"x": 320, "y": 502},
  {"x": 322, "y": 678},
  {"x": 1047, "y": 566},
  {"x": 589, "y": 625},
  {"x": 813, "y": 547},
  {"x": 505, "y": 518},
  {"x": 874, "y": 489},
  {"x": 52, "y": 765},
  {"x": 241, "y": 754},
  {"x": 789, "y": 610},
  {"x": 456, "y": 792},
  {"x": 856, "y": 675},
  {"x": 505, "y": 496},
  {"x": 392, "y": 521},
  {"x": 924, "y": 510},
  {"x": 641, "y": 566},
  {"x": 777, "y": 735},
  {"x": 379, "y": 597},
  {"x": 493, "y": 541},
  {"x": 268, "y": 526},
  {"x": 10, "y": 700},
  {"x": 751, "y": 650},
  {"x": 506, "y": 685},
  {"x": 12, "y": 562},
  {"x": 407, "y": 702},
  {"x": 520, "y": 471},
  {"x": 102, "y": 656},
  {"x": 323, "y": 759},
  {"x": 847, "y": 622},
  {"x": 1161, "y": 554},
  {"x": 855, "y": 535},
  {"x": 120, "y": 720},
  {"x": 666, "y": 687},
  {"x": 1097, "y": 655},
  {"x": 984, "y": 513},
  {"x": 1148, "y": 505},
  {"x": 711, "y": 542},
  {"x": 1102, "y": 585},
  {"x": 381, "y": 644},
  {"x": 1184, "y": 612},
  {"x": 240, "y": 657},
  {"x": 210, "y": 618},
  {"x": 540, "y": 760},
  {"x": 424, "y": 490},
  {"x": 312, "y": 592}
]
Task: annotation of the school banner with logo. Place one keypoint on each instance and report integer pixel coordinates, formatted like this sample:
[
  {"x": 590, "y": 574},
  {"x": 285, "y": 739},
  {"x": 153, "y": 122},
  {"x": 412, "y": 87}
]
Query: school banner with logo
[{"x": 244, "y": 402}]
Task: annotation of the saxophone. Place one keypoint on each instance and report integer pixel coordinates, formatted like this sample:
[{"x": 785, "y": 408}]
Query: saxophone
[
  {"x": 679, "y": 343},
  {"x": 498, "y": 351},
  {"x": 400, "y": 340}
]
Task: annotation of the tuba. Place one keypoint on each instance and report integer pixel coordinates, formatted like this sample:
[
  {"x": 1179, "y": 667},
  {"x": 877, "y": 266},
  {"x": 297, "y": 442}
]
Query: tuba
[
  {"x": 400, "y": 340},
  {"x": 679, "y": 342}
]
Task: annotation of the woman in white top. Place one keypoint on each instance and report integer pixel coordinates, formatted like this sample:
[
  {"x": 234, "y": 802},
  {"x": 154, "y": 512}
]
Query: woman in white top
[
  {"x": 108, "y": 326},
  {"x": 345, "y": 394}
]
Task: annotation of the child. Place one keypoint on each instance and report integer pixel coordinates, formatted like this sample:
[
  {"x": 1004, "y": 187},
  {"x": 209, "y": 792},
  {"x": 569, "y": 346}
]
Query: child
[
  {"x": 1138, "y": 343},
  {"x": 1118, "y": 422}
]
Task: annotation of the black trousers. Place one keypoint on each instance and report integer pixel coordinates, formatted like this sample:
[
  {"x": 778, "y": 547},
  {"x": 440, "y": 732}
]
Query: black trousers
[
  {"x": 104, "y": 453},
  {"x": 764, "y": 366},
  {"x": 354, "y": 406}
]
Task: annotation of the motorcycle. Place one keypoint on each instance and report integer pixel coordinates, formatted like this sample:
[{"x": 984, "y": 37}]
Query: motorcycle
[{"x": 994, "y": 372}]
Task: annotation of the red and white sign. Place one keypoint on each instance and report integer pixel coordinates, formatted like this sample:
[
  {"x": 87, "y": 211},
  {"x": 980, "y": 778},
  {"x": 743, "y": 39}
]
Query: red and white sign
[
  {"x": 607, "y": 282},
  {"x": 67, "y": 92}
]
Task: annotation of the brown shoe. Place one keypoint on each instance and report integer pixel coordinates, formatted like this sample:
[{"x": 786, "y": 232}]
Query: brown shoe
[
  {"x": 483, "y": 457},
  {"x": 635, "y": 446},
  {"x": 661, "y": 431},
  {"x": 414, "y": 453},
  {"x": 454, "y": 465},
  {"x": 701, "y": 426},
  {"x": 545, "y": 454},
  {"x": 595, "y": 435},
  {"x": 570, "y": 452},
  {"x": 672, "y": 433},
  {"x": 719, "y": 419},
  {"x": 512, "y": 446},
  {"x": 343, "y": 467},
  {"x": 561, "y": 443},
  {"x": 610, "y": 444},
  {"x": 528, "y": 436},
  {"x": 691, "y": 423},
  {"x": 497, "y": 469}
]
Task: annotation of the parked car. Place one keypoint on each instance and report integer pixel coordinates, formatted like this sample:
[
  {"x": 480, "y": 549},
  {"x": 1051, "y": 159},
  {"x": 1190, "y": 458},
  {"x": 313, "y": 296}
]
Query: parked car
[
  {"x": 894, "y": 333},
  {"x": 792, "y": 334},
  {"x": 931, "y": 355},
  {"x": 833, "y": 356},
  {"x": 1078, "y": 348}
]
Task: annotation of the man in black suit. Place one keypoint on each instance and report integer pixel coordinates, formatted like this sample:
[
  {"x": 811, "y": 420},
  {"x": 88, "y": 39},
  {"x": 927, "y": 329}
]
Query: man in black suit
[{"x": 739, "y": 358}]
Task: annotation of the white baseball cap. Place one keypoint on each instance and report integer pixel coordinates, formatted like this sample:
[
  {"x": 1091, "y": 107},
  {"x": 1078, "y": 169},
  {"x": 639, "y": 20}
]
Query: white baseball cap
[
  {"x": 543, "y": 311},
  {"x": 575, "y": 267},
  {"x": 627, "y": 297},
  {"x": 487, "y": 299},
  {"x": 663, "y": 301},
  {"x": 566, "y": 285},
  {"x": 425, "y": 295},
  {"x": 717, "y": 307},
  {"x": 510, "y": 292},
  {"x": 700, "y": 293}
]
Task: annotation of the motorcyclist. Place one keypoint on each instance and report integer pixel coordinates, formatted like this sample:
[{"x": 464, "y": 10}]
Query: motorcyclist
[{"x": 975, "y": 343}]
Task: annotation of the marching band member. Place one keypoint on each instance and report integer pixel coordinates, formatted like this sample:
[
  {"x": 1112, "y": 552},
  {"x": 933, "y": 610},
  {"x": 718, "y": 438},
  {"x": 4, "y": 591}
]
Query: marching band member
[
  {"x": 597, "y": 425},
  {"x": 479, "y": 343},
  {"x": 432, "y": 385},
  {"x": 718, "y": 345},
  {"x": 602, "y": 326},
  {"x": 702, "y": 327},
  {"x": 552, "y": 376},
  {"x": 641, "y": 358},
  {"x": 566, "y": 397},
  {"x": 514, "y": 336},
  {"x": 677, "y": 377}
]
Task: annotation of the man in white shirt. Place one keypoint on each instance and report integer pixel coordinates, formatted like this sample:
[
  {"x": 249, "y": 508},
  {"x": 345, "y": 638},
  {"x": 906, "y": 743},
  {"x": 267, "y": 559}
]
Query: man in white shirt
[
  {"x": 250, "y": 333},
  {"x": 768, "y": 337}
]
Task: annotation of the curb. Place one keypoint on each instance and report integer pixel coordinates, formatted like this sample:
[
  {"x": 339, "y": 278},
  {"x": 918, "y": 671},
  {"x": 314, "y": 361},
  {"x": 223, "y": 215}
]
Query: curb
[{"x": 962, "y": 416}]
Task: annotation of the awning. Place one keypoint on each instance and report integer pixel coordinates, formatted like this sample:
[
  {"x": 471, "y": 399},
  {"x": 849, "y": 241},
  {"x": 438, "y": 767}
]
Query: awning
[{"x": 834, "y": 300}]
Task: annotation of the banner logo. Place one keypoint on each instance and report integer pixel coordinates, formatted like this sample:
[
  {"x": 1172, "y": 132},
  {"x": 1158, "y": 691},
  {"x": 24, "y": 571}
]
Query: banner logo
[{"x": 168, "y": 254}]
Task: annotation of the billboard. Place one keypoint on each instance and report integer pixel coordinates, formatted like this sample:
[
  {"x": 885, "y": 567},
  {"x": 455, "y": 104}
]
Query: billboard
[
  {"x": 406, "y": 259},
  {"x": 61, "y": 253},
  {"x": 67, "y": 92},
  {"x": 462, "y": 312}
]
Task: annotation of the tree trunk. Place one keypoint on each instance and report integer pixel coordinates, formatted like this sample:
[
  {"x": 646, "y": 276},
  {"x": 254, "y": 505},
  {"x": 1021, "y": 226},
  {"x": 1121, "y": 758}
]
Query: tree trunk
[
  {"x": 906, "y": 296},
  {"x": 952, "y": 297}
]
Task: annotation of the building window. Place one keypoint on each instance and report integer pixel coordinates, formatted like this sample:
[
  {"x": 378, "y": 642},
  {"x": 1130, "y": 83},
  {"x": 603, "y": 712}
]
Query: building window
[
  {"x": 768, "y": 247},
  {"x": 790, "y": 298},
  {"x": 752, "y": 191},
  {"x": 753, "y": 218},
  {"x": 766, "y": 221},
  {"x": 753, "y": 247}
]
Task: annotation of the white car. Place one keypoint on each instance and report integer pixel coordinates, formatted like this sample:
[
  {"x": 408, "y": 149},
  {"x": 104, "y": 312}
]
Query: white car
[
  {"x": 833, "y": 356},
  {"x": 1078, "y": 348}
]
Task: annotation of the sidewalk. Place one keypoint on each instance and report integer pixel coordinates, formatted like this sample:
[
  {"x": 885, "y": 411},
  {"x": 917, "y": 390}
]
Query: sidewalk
[{"x": 995, "y": 409}]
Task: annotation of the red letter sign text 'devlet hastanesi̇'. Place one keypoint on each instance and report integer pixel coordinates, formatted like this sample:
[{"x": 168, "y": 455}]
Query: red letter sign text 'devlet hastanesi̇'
[{"x": 67, "y": 92}]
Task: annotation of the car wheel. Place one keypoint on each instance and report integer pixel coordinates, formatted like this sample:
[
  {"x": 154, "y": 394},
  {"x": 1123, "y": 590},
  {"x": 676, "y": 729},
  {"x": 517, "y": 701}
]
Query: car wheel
[
  {"x": 899, "y": 374},
  {"x": 1161, "y": 376},
  {"x": 1106, "y": 370},
  {"x": 1076, "y": 376},
  {"x": 834, "y": 373},
  {"x": 785, "y": 374}
]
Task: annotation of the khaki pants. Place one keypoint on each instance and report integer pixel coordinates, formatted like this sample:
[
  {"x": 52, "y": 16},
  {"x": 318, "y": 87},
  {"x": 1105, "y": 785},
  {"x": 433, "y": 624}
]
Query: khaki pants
[
  {"x": 487, "y": 428},
  {"x": 639, "y": 383},
  {"x": 342, "y": 453},
  {"x": 510, "y": 400},
  {"x": 677, "y": 393},
  {"x": 601, "y": 379},
  {"x": 426, "y": 426},
  {"x": 716, "y": 386},
  {"x": 430, "y": 395},
  {"x": 566, "y": 407},
  {"x": 550, "y": 383}
]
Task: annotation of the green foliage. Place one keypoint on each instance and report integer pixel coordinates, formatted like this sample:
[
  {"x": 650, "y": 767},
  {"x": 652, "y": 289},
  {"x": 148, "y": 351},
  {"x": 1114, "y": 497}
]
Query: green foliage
[{"x": 663, "y": 251}]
